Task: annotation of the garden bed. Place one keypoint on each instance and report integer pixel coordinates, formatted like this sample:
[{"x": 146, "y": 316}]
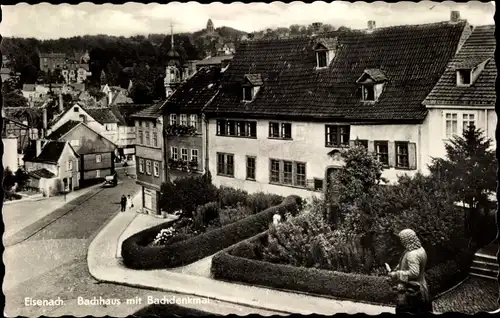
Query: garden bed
[
  {"x": 239, "y": 264},
  {"x": 139, "y": 253}
]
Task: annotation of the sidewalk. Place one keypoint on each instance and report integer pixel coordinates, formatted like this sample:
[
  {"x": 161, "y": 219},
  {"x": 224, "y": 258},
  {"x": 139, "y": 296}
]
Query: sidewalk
[
  {"x": 20, "y": 215},
  {"x": 106, "y": 267}
]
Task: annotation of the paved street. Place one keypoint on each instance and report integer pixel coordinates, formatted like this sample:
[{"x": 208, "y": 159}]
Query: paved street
[{"x": 52, "y": 263}]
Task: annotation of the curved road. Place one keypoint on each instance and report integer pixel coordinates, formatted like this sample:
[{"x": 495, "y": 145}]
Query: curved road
[{"x": 52, "y": 264}]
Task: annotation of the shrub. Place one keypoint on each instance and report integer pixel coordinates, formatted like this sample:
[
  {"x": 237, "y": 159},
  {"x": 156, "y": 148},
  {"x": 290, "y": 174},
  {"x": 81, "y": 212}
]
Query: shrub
[
  {"x": 231, "y": 215},
  {"x": 230, "y": 197},
  {"x": 9, "y": 180},
  {"x": 187, "y": 194},
  {"x": 164, "y": 236},
  {"x": 10, "y": 196},
  {"x": 226, "y": 266},
  {"x": 21, "y": 178},
  {"x": 260, "y": 201},
  {"x": 205, "y": 214},
  {"x": 136, "y": 254}
]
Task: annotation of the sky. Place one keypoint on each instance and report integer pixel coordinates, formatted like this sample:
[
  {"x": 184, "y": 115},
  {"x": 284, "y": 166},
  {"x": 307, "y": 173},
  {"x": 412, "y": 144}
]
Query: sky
[{"x": 47, "y": 21}]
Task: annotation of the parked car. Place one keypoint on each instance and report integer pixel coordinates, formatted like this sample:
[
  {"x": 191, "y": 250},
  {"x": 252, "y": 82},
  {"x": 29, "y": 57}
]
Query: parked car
[{"x": 110, "y": 180}]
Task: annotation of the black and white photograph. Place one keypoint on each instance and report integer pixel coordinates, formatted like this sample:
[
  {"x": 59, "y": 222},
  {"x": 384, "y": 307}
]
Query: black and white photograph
[{"x": 277, "y": 158}]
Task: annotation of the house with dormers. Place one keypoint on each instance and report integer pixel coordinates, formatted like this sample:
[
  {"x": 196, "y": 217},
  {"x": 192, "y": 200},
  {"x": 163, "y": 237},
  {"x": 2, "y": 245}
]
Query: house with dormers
[
  {"x": 464, "y": 95},
  {"x": 287, "y": 107},
  {"x": 186, "y": 128}
]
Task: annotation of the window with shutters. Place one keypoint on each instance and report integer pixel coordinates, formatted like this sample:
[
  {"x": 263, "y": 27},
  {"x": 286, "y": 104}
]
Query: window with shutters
[
  {"x": 148, "y": 167},
  {"x": 193, "y": 121},
  {"x": 98, "y": 158},
  {"x": 382, "y": 152},
  {"x": 184, "y": 120},
  {"x": 194, "y": 155},
  {"x": 173, "y": 119},
  {"x": 156, "y": 169},
  {"x": 237, "y": 128},
  {"x": 147, "y": 138},
  {"x": 225, "y": 164},
  {"x": 140, "y": 138},
  {"x": 155, "y": 139},
  {"x": 250, "y": 168},
  {"x": 141, "y": 165},
  {"x": 184, "y": 154},
  {"x": 279, "y": 130},
  {"x": 402, "y": 158},
  {"x": 290, "y": 173},
  {"x": 174, "y": 153},
  {"x": 337, "y": 135}
]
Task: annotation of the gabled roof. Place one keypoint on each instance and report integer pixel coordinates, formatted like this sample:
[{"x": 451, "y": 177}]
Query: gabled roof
[
  {"x": 152, "y": 112},
  {"x": 214, "y": 60},
  {"x": 479, "y": 47},
  {"x": 195, "y": 93},
  {"x": 41, "y": 173},
  {"x": 124, "y": 112},
  {"x": 372, "y": 76},
  {"x": 471, "y": 62},
  {"x": 63, "y": 130},
  {"x": 51, "y": 152},
  {"x": 254, "y": 79},
  {"x": 328, "y": 43},
  {"x": 102, "y": 115},
  {"x": 294, "y": 87}
]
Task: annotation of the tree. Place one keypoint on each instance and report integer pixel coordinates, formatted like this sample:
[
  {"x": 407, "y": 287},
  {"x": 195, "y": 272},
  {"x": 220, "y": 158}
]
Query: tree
[
  {"x": 469, "y": 167},
  {"x": 12, "y": 96},
  {"x": 469, "y": 170},
  {"x": 141, "y": 93}
]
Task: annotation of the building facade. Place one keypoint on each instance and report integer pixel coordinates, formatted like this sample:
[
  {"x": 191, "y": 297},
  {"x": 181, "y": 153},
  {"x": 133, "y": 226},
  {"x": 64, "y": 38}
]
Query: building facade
[
  {"x": 185, "y": 125},
  {"x": 281, "y": 120},
  {"x": 60, "y": 159},
  {"x": 465, "y": 94},
  {"x": 97, "y": 154},
  {"x": 150, "y": 167}
]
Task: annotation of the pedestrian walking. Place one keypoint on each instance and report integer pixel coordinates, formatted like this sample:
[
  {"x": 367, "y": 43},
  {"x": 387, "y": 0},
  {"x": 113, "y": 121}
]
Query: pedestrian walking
[
  {"x": 129, "y": 202},
  {"x": 409, "y": 277},
  {"x": 123, "y": 203}
]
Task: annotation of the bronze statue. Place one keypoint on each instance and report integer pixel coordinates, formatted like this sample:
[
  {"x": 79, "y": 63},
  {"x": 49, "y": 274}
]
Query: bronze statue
[{"x": 411, "y": 288}]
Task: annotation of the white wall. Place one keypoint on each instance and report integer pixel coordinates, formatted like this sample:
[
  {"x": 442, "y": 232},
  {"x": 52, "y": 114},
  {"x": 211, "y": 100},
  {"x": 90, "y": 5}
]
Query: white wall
[
  {"x": 435, "y": 127},
  {"x": 75, "y": 116},
  {"x": 9, "y": 156},
  {"x": 307, "y": 145}
]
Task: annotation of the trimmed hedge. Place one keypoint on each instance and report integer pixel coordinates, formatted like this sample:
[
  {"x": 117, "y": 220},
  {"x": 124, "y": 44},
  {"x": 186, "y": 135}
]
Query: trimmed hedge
[
  {"x": 138, "y": 255},
  {"x": 373, "y": 289}
]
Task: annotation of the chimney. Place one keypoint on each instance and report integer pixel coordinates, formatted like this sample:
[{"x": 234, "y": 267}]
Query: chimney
[
  {"x": 39, "y": 147},
  {"x": 371, "y": 25},
  {"x": 61, "y": 103},
  {"x": 455, "y": 16}
]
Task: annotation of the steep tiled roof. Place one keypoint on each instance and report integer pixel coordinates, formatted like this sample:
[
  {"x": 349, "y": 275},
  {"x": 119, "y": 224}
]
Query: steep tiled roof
[
  {"x": 41, "y": 173},
  {"x": 254, "y": 79},
  {"x": 194, "y": 94},
  {"x": 479, "y": 47},
  {"x": 51, "y": 152},
  {"x": 124, "y": 112},
  {"x": 150, "y": 112},
  {"x": 102, "y": 115},
  {"x": 413, "y": 57},
  {"x": 63, "y": 130},
  {"x": 214, "y": 60}
]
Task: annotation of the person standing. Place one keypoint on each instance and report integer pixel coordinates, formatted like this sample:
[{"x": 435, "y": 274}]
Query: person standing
[
  {"x": 129, "y": 202},
  {"x": 123, "y": 203},
  {"x": 411, "y": 287}
]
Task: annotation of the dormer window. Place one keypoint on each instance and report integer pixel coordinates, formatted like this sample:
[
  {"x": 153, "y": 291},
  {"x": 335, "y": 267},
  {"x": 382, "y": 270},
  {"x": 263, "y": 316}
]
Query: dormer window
[
  {"x": 251, "y": 86},
  {"x": 464, "y": 77},
  {"x": 325, "y": 49},
  {"x": 372, "y": 83},
  {"x": 468, "y": 71}
]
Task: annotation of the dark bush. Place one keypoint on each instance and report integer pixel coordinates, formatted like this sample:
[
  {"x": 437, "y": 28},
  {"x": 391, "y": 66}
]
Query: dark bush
[
  {"x": 239, "y": 264},
  {"x": 375, "y": 289},
  {"x": 230, "y": 197},
  {"x": 136, "y": 254},
  {"x": 231, "y": 215},
  {"x": 9, "y": 196},
  {"x": 260, "y": 201},
  {"x": 205, "y": 214}
]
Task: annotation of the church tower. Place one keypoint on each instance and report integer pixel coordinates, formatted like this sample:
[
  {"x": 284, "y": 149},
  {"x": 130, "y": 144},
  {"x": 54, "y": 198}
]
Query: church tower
[
  {"x": 210, "y": 26},
  {"x": 173, "y": 72}
]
